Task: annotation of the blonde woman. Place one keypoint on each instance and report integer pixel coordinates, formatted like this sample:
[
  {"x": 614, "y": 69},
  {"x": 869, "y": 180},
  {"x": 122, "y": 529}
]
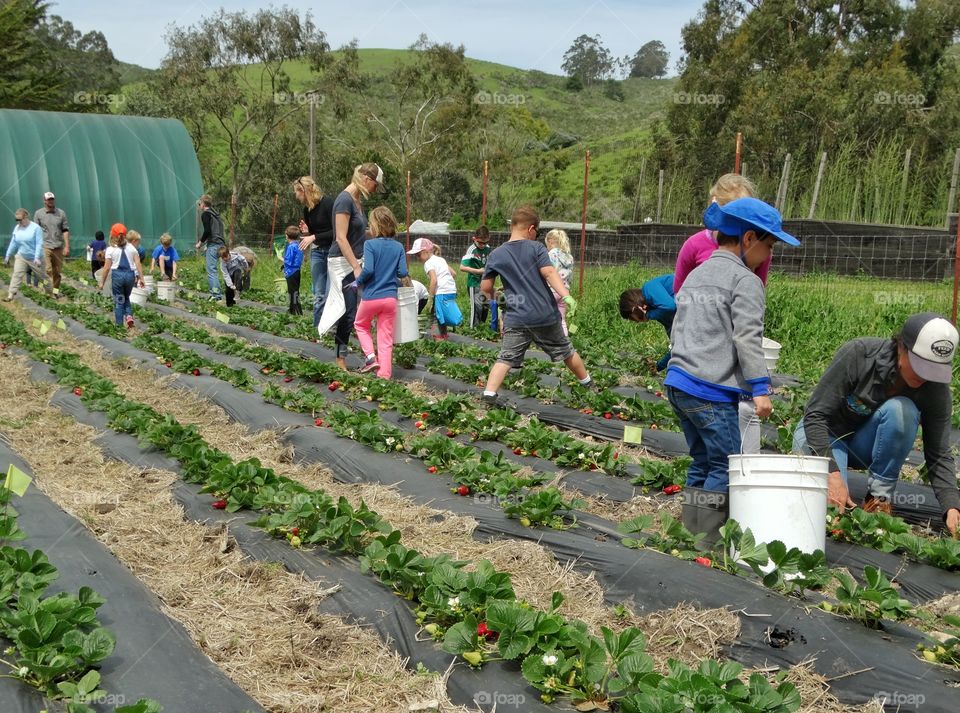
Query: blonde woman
[
  {"x": 350, "y": 230},
  {"x": 558, "y": 248},
  {"x": 699, "y": 246},
  {"x": 316, "y": 229},
  {"x": 122, "y": 264}
]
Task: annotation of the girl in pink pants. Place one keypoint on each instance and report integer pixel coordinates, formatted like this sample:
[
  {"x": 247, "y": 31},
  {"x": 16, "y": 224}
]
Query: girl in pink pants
[{"x": 383, "y": 263}]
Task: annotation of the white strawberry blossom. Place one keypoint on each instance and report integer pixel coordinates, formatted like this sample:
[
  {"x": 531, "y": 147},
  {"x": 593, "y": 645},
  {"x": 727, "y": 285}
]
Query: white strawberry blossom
[{"x": 549, "y": 660}]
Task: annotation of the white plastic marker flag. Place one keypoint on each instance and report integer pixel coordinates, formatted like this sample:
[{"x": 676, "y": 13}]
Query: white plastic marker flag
[
  {"x": 225, "y": 318},
  {"x": 61, "y": 324},
  {"x": 632, "y": 434},
  {"x": 17, "y": 481},
  {"x": 36, "y": 323}
]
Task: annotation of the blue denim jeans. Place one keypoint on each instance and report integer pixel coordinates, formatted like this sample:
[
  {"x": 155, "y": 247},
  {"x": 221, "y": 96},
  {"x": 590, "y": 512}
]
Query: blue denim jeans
[
  {"x": 213, "y": 267},
  {"x": 121, "y": 282},
  {"x": 880, "y": 446},
  {"x": 712, "y": 431},
  {"x": 318, "y": 275}
]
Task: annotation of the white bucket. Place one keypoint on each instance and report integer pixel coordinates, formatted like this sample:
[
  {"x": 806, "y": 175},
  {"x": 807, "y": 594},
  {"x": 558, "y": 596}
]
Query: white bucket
[
  {"x": 781, "y": 497},
  {"x": 108, "y": 285},
  {"x": 167, "y": 291},
  {"x": 771, "y": 353},
  {"x": 139, "y": 296},
  {"x": 406, "y": 327}
]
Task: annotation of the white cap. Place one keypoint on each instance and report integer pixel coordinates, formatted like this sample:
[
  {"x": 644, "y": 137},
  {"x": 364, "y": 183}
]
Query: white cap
[
  {"x": 48, "y": 195},
  {"x": 931, "y": 342}
]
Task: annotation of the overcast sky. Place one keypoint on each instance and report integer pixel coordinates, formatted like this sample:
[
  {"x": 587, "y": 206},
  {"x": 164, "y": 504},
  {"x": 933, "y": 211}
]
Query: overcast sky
[{"x": 530, "y": 34}]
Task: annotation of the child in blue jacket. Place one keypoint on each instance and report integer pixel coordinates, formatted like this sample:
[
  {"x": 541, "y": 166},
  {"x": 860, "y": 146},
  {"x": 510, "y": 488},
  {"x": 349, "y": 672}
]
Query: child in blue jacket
[{"x": 292, "y": 260}]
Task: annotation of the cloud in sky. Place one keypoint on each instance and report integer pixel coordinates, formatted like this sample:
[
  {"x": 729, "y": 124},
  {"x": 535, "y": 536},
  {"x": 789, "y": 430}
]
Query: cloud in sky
[{"x": 529, "y": 35}]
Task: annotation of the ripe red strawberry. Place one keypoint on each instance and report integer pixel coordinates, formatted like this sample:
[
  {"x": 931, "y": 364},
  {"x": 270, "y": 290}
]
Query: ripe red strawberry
[
  {"x": 659, "y": 394},
  {"x": 169, "y": 364},
  {"x": 450, "y": 434},
  {"x": 196, "y": 372},
  {"x": 420, "y": 424},
  {"x": 432, "y": 469},
  {"x": 837, "y": 532},
  {"x": 616, "y": 455},
  {"x": 318, "y": 422},
  {"x": 588, "y": 411},
  {"x": 672, "y": 489},
  {"x": 425, "y": 415},
  {"x": 608, "y": 415},
  {"x": 653, "y": 427},
  {"x": 593, "y": 466},
  {"x": 78, "y": 391},
  {"x": 294, "y": 531},
  {"x": 483, "y": 631},
  {"x": 334, "y": 385},
  {"x": 220, "y": 504},
  {"x": 463, "y": 490},
  {"x": 533, "y": 453},
  {"x": 288, "y": 379},
  {"x": 517, "y": 451},
  {"x": 705, "y": 561},
  {"x": 281, "y": 371}
]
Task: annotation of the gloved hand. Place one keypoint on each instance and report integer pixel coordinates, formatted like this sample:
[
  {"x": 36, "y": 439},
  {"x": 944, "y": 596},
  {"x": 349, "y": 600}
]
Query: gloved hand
[{"x": 571, "y": 306}]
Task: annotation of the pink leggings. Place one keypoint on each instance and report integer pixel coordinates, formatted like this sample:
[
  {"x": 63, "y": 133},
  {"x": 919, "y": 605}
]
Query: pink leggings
[{"x": 385, "y": 310}]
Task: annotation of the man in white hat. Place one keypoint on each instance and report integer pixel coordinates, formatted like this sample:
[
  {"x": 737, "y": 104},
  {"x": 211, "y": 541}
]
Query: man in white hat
[
  {"x": 56, "y": 237},
  {"x": 867, "y": 408}
]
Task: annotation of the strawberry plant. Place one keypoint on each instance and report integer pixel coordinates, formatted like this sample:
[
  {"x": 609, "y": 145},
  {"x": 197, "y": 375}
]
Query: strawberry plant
[
  {"x": 439, "y": 450},
  {"x": 945, "y": 647},
  {"x": 344, "y": 528},
  {"x": 673, "y": 539},
  {"x": 366, "y": 427},
  {"x": 543, "y": 507},
  {"x": 658, "y": 474},
  {"x": 872, "y": 603},
  {"x": 240, "y": 482}
]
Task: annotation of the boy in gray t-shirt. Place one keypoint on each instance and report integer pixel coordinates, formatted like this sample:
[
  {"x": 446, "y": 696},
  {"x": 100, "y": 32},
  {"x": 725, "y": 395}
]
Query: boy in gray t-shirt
[{"x": 524, "y": 267}]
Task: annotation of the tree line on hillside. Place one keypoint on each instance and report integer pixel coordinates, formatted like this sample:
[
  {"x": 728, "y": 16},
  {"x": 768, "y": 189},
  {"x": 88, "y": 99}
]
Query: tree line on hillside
[{"x": 861, "y": 81}]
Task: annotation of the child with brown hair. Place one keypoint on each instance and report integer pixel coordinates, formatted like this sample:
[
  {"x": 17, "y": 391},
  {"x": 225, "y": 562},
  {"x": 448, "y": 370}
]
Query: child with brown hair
[{"x": 292, "y": 260}]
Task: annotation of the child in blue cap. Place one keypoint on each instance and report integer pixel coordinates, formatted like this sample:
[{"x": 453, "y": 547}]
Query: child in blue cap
[{"x": 717, "y": 354}]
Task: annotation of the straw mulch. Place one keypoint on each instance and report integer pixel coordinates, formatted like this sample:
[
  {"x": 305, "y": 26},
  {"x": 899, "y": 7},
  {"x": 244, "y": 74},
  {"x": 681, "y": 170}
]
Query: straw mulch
[{"x": 256, "y": 621}]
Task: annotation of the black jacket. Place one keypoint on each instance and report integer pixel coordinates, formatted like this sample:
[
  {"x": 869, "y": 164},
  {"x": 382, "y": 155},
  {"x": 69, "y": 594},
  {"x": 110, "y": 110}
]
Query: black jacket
[
  {"x": 319, "y": 222},
  {"x": 861, "y": 377},
  {"x": 212, "y": 228}
]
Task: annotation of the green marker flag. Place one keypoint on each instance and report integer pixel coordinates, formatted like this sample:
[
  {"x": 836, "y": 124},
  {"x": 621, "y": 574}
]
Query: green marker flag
[
  {"x": 61, "y": 324},
  {"x": 632, "y": 434},
  {"x": 45, "y": 327},
  {"x": 17, "y": 481},
  {"x": 221, "y": 317}
]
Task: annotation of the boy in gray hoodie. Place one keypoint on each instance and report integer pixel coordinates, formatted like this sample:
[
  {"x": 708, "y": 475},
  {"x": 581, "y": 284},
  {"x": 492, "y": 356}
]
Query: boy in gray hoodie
[{"x": 717, "y": 353}]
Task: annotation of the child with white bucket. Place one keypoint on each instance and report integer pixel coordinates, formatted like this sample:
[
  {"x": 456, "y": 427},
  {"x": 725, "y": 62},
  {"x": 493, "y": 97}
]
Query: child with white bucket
[
  {"x": 867, "y": 409},
  {"x": 717, "y": 355}
]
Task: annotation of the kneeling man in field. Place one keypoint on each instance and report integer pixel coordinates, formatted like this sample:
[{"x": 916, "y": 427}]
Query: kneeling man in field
[{"x": 867, "y": 408}]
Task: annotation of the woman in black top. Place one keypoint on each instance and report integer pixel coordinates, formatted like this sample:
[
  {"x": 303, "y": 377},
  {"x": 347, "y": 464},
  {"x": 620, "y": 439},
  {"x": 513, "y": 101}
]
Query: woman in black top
[{"x": 316, "y": 227}]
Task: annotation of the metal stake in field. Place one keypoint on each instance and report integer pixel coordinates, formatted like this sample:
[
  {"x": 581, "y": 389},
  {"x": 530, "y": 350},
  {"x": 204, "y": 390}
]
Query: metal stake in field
[
  {"x": 408, "y": 210},
  {"x": 483, "y": 205},
  {"x": 273, "y": 223},
  {"x": 583, "y": 221},
  {"x": 233, "y": 216},
  {"x": 736, "y": 160},
  {"x": 956, "y": 272},
  {"x": 903, "y": 188},
  {"x": 313, "y": 157},
  {"x": 816, "y": 186},
  {"x": 953, "y": 187},
  {"x": 781, "y": 201},
  {"x": 660, "y": 197}
]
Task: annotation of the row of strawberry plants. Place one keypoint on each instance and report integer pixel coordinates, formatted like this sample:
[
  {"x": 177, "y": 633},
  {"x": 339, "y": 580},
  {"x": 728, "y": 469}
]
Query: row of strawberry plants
[
  {"x": 474, "y": 613},
  {"x": 525, "y": 381},
  {"x": 56, "y": 641},
  {"x": 876, "y": 530},
  {"x": 477, "y": 471},
  {"x": 879, "y": 531}
]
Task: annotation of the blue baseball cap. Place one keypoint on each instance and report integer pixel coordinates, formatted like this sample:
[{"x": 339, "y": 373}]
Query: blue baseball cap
[{"x": 743, "y": 214}]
